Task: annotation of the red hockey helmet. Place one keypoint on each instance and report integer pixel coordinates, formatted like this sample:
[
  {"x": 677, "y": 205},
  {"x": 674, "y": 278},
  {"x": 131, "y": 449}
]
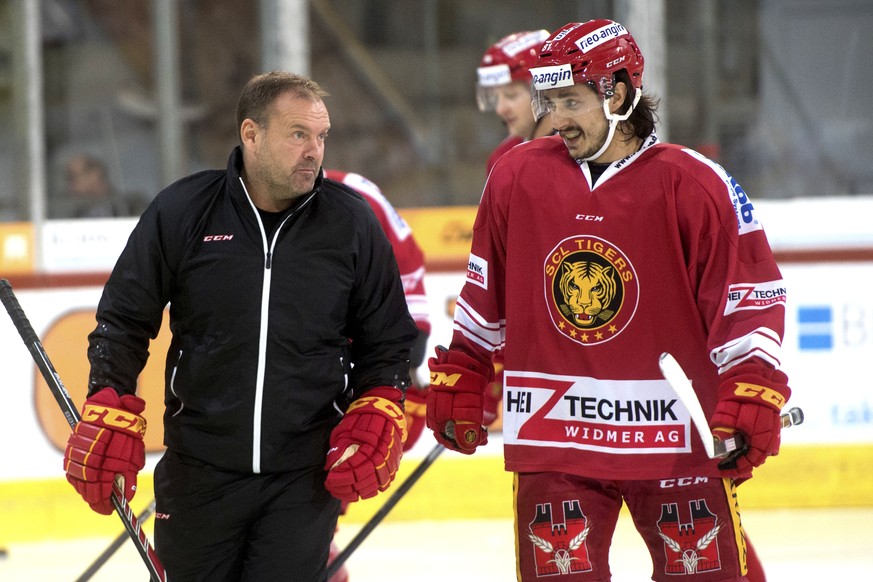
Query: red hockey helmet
[
  {"x": 506, "y": 61},
  {"x": 588, "y": 52}
]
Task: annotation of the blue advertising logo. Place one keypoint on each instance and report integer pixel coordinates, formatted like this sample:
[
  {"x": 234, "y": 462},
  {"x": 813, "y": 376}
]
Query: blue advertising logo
[{"x": 816, "y": 327}]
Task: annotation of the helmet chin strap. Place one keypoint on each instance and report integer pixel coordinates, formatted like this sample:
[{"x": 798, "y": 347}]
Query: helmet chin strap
[{"x": 614, "y": 120}]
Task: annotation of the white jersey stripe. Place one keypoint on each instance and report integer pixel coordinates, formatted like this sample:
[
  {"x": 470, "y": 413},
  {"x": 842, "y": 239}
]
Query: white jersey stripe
[
  {"x": 491, "y": 347},
  {"x": 476, "y": 319},
  {"x": 762, "y": 342},
  {"x": 490, "y": 336}
]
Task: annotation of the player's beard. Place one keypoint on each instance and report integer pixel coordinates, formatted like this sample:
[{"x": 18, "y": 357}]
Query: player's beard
[{"x": 589, "y": 142}]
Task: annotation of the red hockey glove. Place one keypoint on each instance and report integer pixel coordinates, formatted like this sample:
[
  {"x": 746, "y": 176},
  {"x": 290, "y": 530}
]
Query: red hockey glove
[
  {"x": 107, "y": 441},
  {"x": 749, "y": 403},
  {"x": 455, "y": 402},
  {"x": 414, "y": 411},
  {"x": 366, "y": 446}
]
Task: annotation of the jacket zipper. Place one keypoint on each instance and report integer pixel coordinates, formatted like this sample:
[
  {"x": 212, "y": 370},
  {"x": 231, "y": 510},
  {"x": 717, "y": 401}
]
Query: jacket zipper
[{"x": 269, "y": 249}]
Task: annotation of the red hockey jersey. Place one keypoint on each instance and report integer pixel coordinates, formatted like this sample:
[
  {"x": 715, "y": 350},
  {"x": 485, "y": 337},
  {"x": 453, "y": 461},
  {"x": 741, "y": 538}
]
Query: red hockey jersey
[
  {"x": 584, "y": 287},
  {"x": 504, "y": 146},
  {"x": 409, "y": 256}
]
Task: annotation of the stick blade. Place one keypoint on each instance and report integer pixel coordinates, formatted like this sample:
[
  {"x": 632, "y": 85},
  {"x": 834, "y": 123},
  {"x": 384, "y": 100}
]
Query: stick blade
[{"x": 675, "y": 376}]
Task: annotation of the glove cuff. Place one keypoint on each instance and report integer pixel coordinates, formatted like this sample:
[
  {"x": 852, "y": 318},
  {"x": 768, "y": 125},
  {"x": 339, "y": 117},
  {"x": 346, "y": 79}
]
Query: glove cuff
[
  {"x": 387, "y": 392},
  {"x": 415, "y": 402},
  {"x": 754, "y": 384},
  {"x": 119, "y": 413},
  {"x": 462, "y": 360},
  {"x": 384, "y": 400}
]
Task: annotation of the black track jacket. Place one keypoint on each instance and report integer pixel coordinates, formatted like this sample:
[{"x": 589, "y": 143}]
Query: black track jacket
[{"x": 265, "y": 332}]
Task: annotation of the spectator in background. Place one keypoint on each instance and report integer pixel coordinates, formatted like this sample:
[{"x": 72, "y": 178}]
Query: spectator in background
[{"x": 88, "y": 192}]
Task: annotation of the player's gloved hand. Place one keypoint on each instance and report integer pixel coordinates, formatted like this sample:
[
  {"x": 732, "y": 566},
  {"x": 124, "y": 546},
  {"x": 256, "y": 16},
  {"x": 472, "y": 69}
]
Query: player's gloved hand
[
  {"x": 415, "y": 411},
  {"x": 749, "y": 403},
  {"x": 107, "y": 441},
  {"x": 366, "y": 445},
  {"x": 455, "y": 402}
]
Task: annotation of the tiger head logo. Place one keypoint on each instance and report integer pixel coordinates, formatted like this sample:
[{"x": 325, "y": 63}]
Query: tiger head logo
[
  {"x": 588, "y": 288},
  {"x": 591, "y": 289}
]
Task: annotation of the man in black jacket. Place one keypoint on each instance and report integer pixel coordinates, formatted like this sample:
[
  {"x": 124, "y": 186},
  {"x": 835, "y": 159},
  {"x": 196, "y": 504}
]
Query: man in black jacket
[{"x": 289, "y": 360}]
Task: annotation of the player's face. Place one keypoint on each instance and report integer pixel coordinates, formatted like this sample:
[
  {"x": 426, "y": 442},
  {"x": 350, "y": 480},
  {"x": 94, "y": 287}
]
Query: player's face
[
  {"x": 513, "y": 107},
  {"x": 576, "y": 113},
  {"x": 289, "y": 150}
]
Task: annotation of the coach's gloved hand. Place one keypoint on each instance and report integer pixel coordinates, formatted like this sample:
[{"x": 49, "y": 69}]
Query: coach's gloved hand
[
  {"x": 455, "y": 402},
  {"x": 107, "y": 441},
  {"x": 366, "y": 446},
  {"x": 750, "y": 398},
  {"x": 414, "y": 410}
]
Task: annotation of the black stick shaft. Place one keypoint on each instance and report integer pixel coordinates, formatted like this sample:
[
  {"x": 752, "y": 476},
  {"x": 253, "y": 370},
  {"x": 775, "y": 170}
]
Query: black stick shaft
[
  {"x": 377, "y": 518},
  {"x": 40, "y": 357},
  {"x": 114, "y": 546}
]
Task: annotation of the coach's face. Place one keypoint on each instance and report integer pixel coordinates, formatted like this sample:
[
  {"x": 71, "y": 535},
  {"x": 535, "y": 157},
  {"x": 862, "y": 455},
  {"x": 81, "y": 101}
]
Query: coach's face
[{"x": 286, "y": 152}]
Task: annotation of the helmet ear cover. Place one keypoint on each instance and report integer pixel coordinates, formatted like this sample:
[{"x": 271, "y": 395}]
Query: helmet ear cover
[
  {"x": 633, "y": 94},
  {"x": 605, "y": 86}
]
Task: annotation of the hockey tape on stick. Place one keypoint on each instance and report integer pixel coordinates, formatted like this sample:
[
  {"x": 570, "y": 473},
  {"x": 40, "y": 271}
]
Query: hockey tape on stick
[
  {"x": 40, "y": 357},
  {"x": 377, "y": 518},
  {"x": 715, "y": 448}
]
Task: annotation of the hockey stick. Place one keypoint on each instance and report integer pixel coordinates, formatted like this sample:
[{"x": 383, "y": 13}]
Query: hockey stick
[
  {"x": 715, "y": 448},
  {"x": 113, "y": 547},
  {"x": 398, "y": 494},
  {"x": 40, "y": 357}
]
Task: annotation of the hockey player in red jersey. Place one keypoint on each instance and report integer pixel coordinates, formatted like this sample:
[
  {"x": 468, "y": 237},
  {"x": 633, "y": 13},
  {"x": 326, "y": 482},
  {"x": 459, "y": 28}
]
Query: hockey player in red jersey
[
  {"x": 410, "y": 258},
  {"x": 593, "y": 252},
  {"x": 503, "y": 86},
  {"x": 410, "y": 262}
]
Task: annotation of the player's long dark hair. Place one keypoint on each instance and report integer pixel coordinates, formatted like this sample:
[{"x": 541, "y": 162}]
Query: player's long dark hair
[{"x": 642, "y": 121}]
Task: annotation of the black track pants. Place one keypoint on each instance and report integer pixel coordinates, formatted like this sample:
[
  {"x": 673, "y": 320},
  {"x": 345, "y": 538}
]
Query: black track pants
[{"x": 219, "y": 526}]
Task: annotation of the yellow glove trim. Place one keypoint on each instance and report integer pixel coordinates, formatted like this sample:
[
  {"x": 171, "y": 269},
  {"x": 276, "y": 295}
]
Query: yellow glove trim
[
  {"x": 768, "y": 395},
  {"x": 443, "y": 379},
  {"x": 114, "y": 418},
  {"x": 389, "y": 408}
]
